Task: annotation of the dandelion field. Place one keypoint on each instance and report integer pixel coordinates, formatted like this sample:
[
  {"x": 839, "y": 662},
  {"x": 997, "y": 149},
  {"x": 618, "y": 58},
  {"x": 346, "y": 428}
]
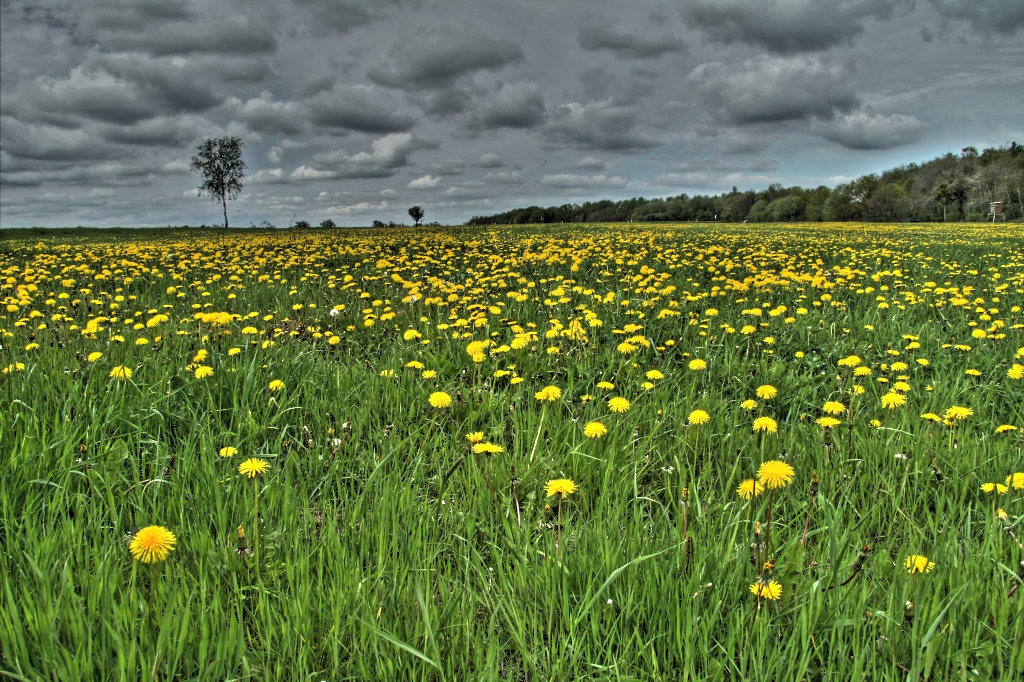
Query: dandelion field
[{"x": 673, "y": 452}]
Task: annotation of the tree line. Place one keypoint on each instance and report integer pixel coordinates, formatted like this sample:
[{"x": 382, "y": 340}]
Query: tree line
[{"x": 952, "y": 187}]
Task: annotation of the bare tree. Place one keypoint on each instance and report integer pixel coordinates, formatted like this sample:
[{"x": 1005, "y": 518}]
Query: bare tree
[{"x": 219, "y": 162}]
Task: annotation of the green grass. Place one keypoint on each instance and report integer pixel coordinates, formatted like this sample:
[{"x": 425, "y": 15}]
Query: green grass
[{"x": 383, "y": 554}]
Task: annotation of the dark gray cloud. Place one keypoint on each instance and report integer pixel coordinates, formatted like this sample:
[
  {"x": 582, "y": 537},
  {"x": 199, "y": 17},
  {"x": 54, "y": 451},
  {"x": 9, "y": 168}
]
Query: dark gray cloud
[
  {"x": 986, "y": 17},
  {"x": 434, "y": 58},
  {"x": 789, "y": 26},
  {"x": 596, "y": 125},
  {"x": 356, "y": 109},
  {"x": 865, "y": 132},
  {"x": 516, "y": 105},
  {"x": 743, "y": 143},
  {"x": 361, "y": 108},
  {"x": 773, "y": 89},
  {"x": 162, "y": 28},
  {"x": 598, "y": 32}
]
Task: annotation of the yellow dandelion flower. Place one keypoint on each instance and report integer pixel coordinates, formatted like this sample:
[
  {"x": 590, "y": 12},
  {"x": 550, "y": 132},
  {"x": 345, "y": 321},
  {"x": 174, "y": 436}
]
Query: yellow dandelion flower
[
  {"x": 698, "y": 417},
  {"x": 440, "y": 400},
  {"x": 152, "y": 544},
  {"x": 232, "y": 352},
  {"x": 487, "y": 449},
  {"x": 918, "y": 563},
  {"x": 892, "y": 400},
  {"x": 697, "y": 365},
  {"x": 618, "y": 404},
  {"x": 121, "y": 373},
  {"x": 1016, "y": 480},
  {"x": 1016, "y": 372},
  {"x": 749, "y": 404},
  {"x": 957, "y": 413},
  {"x": 204, "y": 371},
  {"x": 749, "y": 488},
  {"x": 775, "y": 474},
  {"x": 1006, "y": 427},
  {"x": 94, "y": 356},
  {"x": 475, "y": 437},
  {"x": 252, "y": 467},
  {"x": 276, "y": 385},
  {"x": 828, "y": 422},
  {"x": 834, "y": 407},
  {"x": 429, "y": 374},
  {"x": 767, "y": 590},
  {"x": 595, "y": 430},
  {"x": 560, "y": 486},
  {"x": 606, "y": 385},
  {"x": 767, "y": 392},
  {"x": 654, "y": 375},
  {"x": 227, "y": 451},
  {"x": 549, "y": 394},
  {"x": 766, "y": 425}
]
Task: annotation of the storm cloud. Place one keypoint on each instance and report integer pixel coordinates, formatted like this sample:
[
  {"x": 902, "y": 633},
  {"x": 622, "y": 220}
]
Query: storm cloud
[{"x": 357, "y": 109}]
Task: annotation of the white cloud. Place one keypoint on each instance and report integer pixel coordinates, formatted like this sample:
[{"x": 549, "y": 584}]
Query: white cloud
[{"x": 425, "y": 182}]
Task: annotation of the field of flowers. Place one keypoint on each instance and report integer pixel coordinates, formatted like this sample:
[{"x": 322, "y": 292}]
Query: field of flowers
[{"x": 674, "y": 452}]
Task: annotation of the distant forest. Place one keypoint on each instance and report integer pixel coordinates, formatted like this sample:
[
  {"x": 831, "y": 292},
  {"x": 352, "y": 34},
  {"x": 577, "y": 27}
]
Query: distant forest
[{"x": 947, "y": 188}]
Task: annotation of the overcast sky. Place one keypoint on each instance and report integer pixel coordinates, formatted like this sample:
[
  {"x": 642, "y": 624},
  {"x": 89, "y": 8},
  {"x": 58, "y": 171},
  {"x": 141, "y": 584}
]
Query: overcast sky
[{"x": 356, "y": 110}]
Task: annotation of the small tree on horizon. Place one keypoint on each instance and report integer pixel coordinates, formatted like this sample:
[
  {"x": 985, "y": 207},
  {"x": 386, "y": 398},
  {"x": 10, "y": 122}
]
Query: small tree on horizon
[
  {"x": 416, "y": 213},
  {"x": 219, "y": 161}
]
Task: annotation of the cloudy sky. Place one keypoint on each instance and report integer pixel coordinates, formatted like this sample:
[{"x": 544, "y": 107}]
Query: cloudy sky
[{"x": 358, "y": 109}]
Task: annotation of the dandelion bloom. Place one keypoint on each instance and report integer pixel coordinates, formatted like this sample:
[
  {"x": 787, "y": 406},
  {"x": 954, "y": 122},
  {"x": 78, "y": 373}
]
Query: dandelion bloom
[
  {"x": 834, "y": 407},
  {"x": 234, "y": 351},
  {"x": 749, "y": 488},
  {"x": 766, "y": 424},
  {"x": 618, "y": 404},
  {"x": 560, "y": 486},
  {"x": 475, "y": 437},
  {"x": 918, "y": 563},
  {"x": 767, "y": 392},
  {"x": 997, "y": 488},
  {"x": 252, "y": 467},
  {"x": 697, "y": 365},
  {"x": 1016, "y": 372},
  {"x": 768, "y": 590},
  {"x": 94, "y": 356},
  {"x": 429, "y": 374},
  {"x": 440, "y": 400},
  {"x": 204, "y": 371},
  {"x": 276, "y": 385},
  {"x": 152, "y": 544},
  {"x": 654, "y": 375},
  {"x": 958, "y": 413},
  {"x": 414, "y": 364},
  {"x": 850, "y": 361},
  {"x": 749, "y": 404},
  {"x": 1016, "y": 480},
  {"x": 227, "y": 451},
  {"x": 931, "y": 416},
  {"x": 698, "y": 417},
  {"x": 548, "y": 393},
  {"x": 606, "y": 385},
  {"x": 775, "y": 474},
  {"x": 121, "y": 373},
  {"x": 892, "y": 400},
  {"x": 1006, "y": 427},
  {"x": 487, "y": 449},
  {"x": 595, "y": 430},
  {"x": 828, "y": 422}
]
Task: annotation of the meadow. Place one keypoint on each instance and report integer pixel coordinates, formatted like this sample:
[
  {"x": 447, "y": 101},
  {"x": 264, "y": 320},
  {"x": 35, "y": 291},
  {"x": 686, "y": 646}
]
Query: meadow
[{"x": 591, "y": 452}]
